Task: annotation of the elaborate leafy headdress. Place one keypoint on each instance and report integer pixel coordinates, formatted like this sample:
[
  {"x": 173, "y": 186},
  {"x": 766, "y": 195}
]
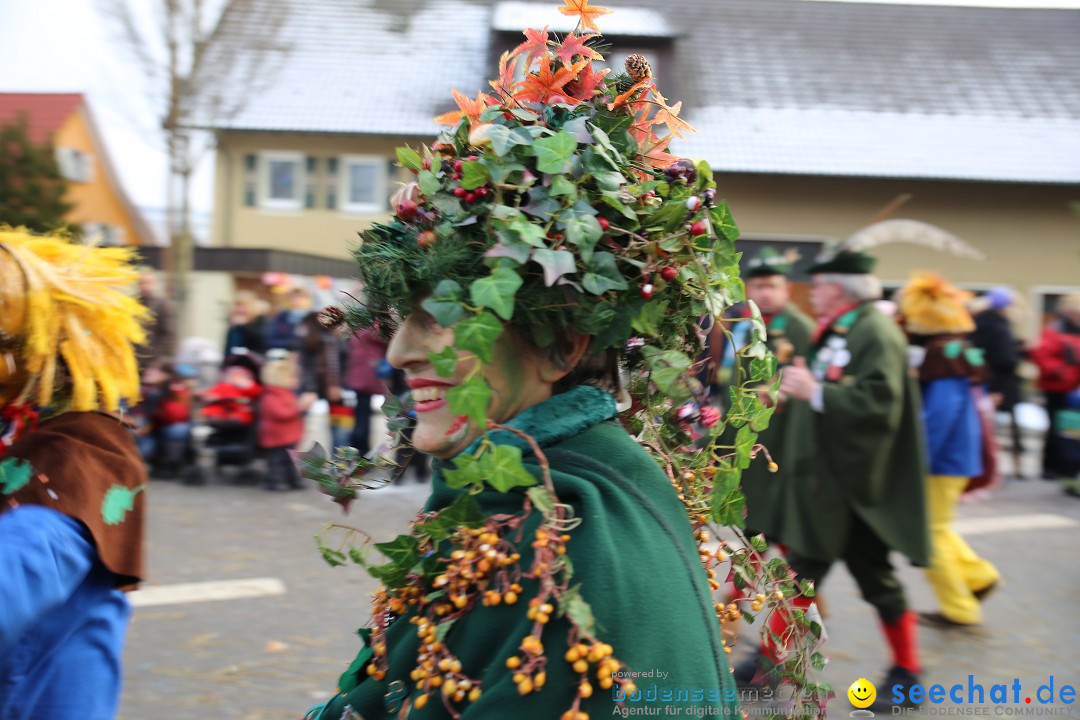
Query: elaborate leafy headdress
[
  {"x": 66, "y": 322},
  {"x": 553, "y": 205}
]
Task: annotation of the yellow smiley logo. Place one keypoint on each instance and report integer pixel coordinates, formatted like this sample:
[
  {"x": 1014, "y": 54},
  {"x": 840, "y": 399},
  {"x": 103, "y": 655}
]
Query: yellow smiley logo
[{"x": 862, "y": 693}]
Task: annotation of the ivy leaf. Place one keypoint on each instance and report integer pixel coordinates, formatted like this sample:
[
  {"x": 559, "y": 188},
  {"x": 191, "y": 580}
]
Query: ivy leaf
[
  {"x": 670, "y": 216},
  {"x": 503, "y": 469},
  {"x": 473, "y": 175},
  {"x": 512, "y": 249},
  {"x": 584, "y": 231},
  {"x": 429, "y": 184},
  {"x": 404, "y": 550},
  {"x": 465, "y": 510},
  {"x": 724, "y": 223},
  {"x": 478, "y": 334},
  {"x": 444, "y": 362},
  {"x": 445, "y": 303},
  {"x": 118, "y": 501},
  {"x": 466, "y": 472},
  {"x": 763, "y": 368},
  {"x": 553, "y": 153},
  {"x": 409, "y": 159},
  {"x": 529, "y": 233},
  {"x": 744, "y": 444},
  {"x": 668, "y": 370},
  {"x": 647, "y": 321},
  {"x": 603, "y": 275},
  {"x": 471, "y": 398},
  {"x": 497, "y": 290},
  {"x": 556, "y": 263},
  {"x": 541, "y": 499},
  {"x": 561, "y": 186},
  {"x": 14, "y": 475},
  {"x": 573, "y": 606}
]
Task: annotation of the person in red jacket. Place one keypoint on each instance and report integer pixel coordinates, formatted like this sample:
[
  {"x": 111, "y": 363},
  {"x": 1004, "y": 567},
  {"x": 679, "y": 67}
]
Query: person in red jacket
[
  {"x": 1058, "y": 359},
  {"x": 281, "y": 423}
]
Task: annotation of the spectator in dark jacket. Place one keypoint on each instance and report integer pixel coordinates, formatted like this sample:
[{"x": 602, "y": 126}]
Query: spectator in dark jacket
[
  {"x": 281, "y": 332},
  {"x": 366, "y": 350},
  {"x": 1058, "y": 358},
  {"x": 247, "y": 324},
  {"x": 1003, "y": 353},
  {"x": 160, "y": 343}
]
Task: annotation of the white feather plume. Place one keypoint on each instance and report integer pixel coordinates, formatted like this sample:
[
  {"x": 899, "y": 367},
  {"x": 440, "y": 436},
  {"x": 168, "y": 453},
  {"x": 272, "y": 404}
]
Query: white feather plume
[{"x": 911, "y": 231}]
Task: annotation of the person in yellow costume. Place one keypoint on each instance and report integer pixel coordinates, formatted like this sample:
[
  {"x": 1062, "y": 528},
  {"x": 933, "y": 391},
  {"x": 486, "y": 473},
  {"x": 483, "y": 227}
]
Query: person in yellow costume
[
  {"x": 950, "y": 371},
  {"x": 71, "y": 479}
]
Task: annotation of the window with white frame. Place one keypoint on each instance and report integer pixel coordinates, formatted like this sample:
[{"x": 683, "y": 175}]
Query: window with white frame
[
  {"x": 282, "y": 181},
  {"x": 75, "y": 165},
  {"x": 363, "y": 184}
]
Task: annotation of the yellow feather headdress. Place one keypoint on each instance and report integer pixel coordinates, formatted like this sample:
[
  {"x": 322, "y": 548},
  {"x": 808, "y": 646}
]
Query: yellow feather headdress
[
  {"x": 66, "y": 317},
  {"x": 931, "y": 306}
]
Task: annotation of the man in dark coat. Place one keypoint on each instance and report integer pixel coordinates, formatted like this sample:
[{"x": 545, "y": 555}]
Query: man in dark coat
[
  {"x": 788, "y": 332},
  {"x": 854, "y": 459}
]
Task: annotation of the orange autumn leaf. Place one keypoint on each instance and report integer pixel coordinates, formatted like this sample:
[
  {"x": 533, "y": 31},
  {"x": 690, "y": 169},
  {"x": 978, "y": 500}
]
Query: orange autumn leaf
[
  {"x": 544, "y": 86},
  {"x": 621, "y": 99},
  {"x": 586, "y": 13},
  {"x": 506, "y": 84},
  {"x": 654, "y": 151},
  {"x": 470, "y": 108},
  {"x": 670, "y": 116},
  {"x": 575, "y": 45},
  {"x": 535, "y": 45},
  {"x": 584, "y": 85}
]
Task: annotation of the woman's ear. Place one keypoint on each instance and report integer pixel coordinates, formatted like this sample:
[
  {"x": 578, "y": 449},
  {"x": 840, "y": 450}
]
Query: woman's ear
[{"x": 576, "y": 346}]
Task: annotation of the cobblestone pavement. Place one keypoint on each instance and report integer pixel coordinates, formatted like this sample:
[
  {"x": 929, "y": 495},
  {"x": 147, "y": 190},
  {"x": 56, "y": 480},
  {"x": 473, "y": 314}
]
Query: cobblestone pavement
[{"x": 271, "y": 656}]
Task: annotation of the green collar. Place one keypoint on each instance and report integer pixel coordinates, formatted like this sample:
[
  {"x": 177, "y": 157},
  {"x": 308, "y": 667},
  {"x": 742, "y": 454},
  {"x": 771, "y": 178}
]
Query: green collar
[{"x": 556, "y": 419}]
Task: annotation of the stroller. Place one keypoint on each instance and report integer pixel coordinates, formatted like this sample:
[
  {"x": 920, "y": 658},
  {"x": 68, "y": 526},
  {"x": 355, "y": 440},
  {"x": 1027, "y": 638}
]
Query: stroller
[{"x": 228, "y": 422}]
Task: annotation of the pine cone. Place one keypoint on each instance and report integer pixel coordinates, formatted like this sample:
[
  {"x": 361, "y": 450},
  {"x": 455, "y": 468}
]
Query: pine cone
[
  {"x": 638, "y": 67},
  {"x": 330, "y": 318}
]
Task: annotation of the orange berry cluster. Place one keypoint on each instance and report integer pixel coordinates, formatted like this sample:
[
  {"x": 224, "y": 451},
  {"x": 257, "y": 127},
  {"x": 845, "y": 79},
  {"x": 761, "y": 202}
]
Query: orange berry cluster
[{"x": 529, "y": 674}]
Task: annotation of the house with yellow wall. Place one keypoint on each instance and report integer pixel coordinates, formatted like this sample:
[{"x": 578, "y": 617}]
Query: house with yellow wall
[
  {"x": 813, "y": 116},
  {"x": 99, "y": 203}
]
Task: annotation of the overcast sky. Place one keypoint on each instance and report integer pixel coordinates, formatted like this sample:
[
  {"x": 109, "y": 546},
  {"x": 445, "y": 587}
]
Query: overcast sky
[{"x": 63, "y": 46}]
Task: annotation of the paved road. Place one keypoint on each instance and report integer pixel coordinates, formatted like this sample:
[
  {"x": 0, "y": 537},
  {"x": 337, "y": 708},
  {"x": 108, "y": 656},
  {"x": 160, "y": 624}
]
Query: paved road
[{"x": 272, "y": 655}]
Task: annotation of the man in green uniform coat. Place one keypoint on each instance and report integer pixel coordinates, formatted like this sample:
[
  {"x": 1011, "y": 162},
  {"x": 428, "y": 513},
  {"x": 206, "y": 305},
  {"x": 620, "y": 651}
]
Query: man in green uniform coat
[
  {"x": 854, "y": 464},
  {"x": 788, "y": 332}
]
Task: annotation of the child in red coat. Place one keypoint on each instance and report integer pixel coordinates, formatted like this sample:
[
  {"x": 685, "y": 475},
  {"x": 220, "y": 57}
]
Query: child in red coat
[{"x": 281, "y": 422}]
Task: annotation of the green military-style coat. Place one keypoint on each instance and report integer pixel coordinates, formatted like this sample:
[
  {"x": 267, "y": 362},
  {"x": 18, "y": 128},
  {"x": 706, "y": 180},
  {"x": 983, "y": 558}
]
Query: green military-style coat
[
  {"x": 865, "y": 453},
  {"x": 637, "y": 562},
  {"x": 788, "y": 334}
]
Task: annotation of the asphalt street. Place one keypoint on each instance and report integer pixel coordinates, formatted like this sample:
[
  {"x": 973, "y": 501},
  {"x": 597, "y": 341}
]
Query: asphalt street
[{"x": 272, "y": 637}]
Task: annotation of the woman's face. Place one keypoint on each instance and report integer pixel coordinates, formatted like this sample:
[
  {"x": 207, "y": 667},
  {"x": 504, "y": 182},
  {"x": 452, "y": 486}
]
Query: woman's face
[{"x": 519, "y": 378}]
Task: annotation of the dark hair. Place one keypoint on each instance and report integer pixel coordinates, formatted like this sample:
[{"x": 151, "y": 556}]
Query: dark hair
[{"x": 599, "y": 369}]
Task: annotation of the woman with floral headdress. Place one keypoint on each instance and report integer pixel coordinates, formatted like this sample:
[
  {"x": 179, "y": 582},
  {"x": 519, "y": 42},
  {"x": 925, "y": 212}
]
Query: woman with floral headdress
[
  {"x": 71, "y": 479},
  {"x": 549, "y": 247}
]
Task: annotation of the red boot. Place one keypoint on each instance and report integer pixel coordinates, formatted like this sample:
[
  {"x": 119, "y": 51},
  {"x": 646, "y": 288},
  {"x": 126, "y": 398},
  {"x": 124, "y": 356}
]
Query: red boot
[{"x": 903, "y": 641}]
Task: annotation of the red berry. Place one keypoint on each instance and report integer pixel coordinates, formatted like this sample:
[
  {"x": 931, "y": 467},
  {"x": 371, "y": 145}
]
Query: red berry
[
  {"x": 647, "y": 290},
  {"x": 460, "y": 192},
  {"x": 406, "y": 210},
  {"x": 669, "y": 273},
  {"x": 426, "y": 238},
  {"x": 481, "y": 191},
  {"x": 473, "y": 157},
  {"x": 455, "y": 176},
  {"x": 604, "y": 224},
  {"x": 457, "y": 165},
  {"x": 693, "y": 203},
  {"x": 698, "y": 228},
  {"x": 470, "y": 197},
  {"x": 709, "y": 416}
]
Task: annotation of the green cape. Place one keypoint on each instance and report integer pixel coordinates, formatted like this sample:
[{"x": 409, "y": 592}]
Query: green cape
[{"x": 637, "y": 562}]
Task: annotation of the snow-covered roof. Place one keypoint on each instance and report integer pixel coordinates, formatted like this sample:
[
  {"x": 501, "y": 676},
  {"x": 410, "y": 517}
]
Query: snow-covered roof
[
  {"x": 824, "y": 141},
  {"x": 514, "y": 16},
  {"x": 784, "y": 86}
]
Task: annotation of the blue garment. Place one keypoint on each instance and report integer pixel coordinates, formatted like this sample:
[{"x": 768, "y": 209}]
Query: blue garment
[
  {"x": 62, "y": 622},
  {"x": 953, "y": 431}
]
